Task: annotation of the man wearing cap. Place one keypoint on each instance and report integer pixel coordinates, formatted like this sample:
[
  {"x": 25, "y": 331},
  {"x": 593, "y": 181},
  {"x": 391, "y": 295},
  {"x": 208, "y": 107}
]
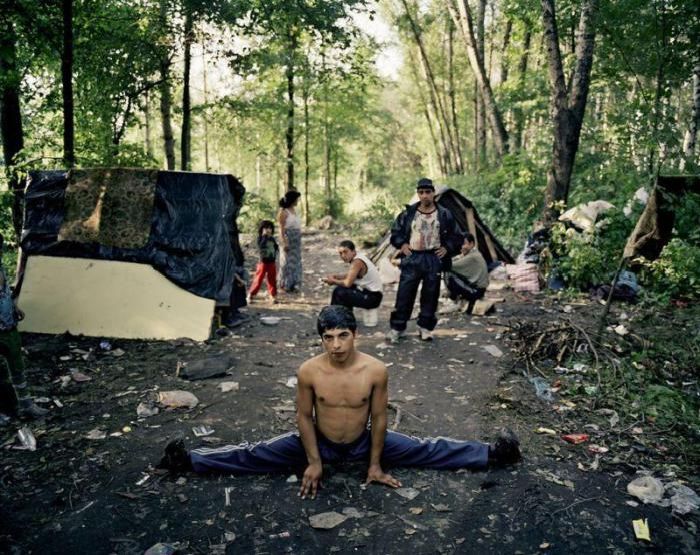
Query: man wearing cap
[{"x": 428, "y": 237}]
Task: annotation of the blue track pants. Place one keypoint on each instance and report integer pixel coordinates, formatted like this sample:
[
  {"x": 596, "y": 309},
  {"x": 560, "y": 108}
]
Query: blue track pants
[{"x": 286, "y": 452}]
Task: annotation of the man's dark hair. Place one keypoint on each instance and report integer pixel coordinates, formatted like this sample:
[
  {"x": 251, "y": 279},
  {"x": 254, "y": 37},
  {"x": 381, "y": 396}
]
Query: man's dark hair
[
  {"x": 265, "y": 224},
  {"x": 425, "y": 183},
  {"x": 348, "y": 244},
  {"x": 469, "y": 237},
  {"x": 335, "y": 317}
]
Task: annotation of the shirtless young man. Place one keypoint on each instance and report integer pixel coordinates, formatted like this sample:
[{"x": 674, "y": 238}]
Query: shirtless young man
[{"x": 338, "y": 394}]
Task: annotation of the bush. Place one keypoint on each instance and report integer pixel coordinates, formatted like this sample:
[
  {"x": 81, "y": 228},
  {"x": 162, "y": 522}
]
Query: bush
[
  {"x": 675, "y": 274},
  {"x": 584, "y": 259},
  {"x": 255, "y": 208},
  {"x": 9, "y": 252}
]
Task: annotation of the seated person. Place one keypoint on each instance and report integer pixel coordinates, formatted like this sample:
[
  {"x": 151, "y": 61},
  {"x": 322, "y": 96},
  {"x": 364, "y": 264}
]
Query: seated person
[
  {"x": 361, "y": 286},
  {"x": 342, "y": 397},
  {"x": 469, "y": 277}
]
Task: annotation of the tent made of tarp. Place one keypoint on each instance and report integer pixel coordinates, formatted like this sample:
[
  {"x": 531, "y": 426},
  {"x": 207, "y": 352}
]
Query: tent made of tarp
[
  {"x": 96, "y": 241},
  {"x": 654, "y": 228},
  {"x": 468, "y": 220}
]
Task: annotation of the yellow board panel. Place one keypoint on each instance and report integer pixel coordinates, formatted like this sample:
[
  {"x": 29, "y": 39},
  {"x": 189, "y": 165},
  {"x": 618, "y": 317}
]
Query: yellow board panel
[{"x": 106, "y": 298}]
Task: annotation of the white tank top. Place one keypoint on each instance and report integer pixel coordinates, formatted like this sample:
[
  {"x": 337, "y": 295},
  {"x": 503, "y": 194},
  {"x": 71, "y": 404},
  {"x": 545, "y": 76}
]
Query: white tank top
[
  {"x": 371, "y": 281},
  {"x": 292, "y": 221}
]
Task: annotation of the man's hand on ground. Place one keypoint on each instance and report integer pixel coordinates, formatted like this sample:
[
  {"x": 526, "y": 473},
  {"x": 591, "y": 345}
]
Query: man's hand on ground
[
  {"x": 405, "y": 249},
  {"x": 441, "y": 252},
  {"x": 376, "y": 474},
  {"x": 310, "y": 480}
]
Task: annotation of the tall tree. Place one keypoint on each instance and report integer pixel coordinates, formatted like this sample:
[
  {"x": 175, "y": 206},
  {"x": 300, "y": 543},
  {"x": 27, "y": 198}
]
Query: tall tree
[
  {"x": 67, "y": 85},
  {"x": 290, "y": 65},
  {"x": 164, "y": 87},
  {"x": 462, "y": 16},
  {"x": 10, "y": 115},
  {"x": 691, "y": 141},
  {"x": 568, "y": 103},
  {"x": 448, "y": 141},
  {"x": 186, "y": 138},
  {"x": 480, "y": 109}
]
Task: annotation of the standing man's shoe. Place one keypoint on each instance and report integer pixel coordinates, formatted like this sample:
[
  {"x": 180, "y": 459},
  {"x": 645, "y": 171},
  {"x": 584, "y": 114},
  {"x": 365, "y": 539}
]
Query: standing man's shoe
[
  {"x": 29, "y": 410},
  {"x": 424, "y": 334},
  {"x": 393, "y": 336}
]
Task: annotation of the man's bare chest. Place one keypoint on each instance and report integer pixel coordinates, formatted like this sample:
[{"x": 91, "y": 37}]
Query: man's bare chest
[{"x": 345, "y": 393}]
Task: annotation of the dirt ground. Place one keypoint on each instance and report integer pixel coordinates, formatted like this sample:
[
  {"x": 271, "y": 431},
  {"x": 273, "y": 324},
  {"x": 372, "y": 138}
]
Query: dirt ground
[{"x": 80, "y": 495}]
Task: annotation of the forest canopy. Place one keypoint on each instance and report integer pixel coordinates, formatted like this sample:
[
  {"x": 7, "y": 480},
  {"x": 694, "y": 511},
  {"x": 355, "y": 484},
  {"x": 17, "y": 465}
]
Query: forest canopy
[{"x": 525, "y": 107}]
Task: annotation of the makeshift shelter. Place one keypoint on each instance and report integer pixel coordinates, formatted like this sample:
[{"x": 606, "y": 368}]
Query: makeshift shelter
[
  {"x": 127, "y": 252},
  {"x": 468, "y": 220},
  {"x": 654, "y": 228}
]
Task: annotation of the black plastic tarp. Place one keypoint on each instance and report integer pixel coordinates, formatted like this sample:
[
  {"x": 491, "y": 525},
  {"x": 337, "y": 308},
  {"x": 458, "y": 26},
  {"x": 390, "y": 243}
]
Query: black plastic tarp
[{"x": 193, "y": 238}]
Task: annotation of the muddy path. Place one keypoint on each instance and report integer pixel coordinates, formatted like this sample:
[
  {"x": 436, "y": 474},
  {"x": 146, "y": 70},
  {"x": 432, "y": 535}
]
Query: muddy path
[{"x": 80, "y": 495}]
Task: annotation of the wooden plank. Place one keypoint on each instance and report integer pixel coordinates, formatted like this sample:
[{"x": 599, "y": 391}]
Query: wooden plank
[
  {"x": 490, "y": 246},
  {"x": 471, "y": 224},
  {"x": 106, "y": 298}
]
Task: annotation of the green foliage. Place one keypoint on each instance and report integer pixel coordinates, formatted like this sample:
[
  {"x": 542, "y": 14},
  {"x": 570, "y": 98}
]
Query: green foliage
[
  {"x": 676, "y": 273},
  {"x": 255, "y": 208},
  {"x": 9, "y": 251},
  {"x": 666, "y": 405},
  {"x": 508, "y": 198},
  {"x": 585, "y": 259}
]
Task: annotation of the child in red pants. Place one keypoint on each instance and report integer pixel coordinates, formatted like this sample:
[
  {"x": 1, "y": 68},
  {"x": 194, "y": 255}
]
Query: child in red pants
[{"x": 267, "y": 266}]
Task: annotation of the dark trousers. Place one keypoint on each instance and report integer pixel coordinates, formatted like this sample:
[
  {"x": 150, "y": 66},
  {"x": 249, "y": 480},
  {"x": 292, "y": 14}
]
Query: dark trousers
[
  {"x": 286, "y": 452},
  {"x": 460, "y": 288},
  {"x": 420, "y": 267},
  {"x": 13, "y": 382},
  {"x": 356, "y": 297}
]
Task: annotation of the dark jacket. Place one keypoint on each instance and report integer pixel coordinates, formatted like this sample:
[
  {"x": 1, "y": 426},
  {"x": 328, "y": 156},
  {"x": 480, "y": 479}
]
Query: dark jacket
[
  {"x": 450, "y": 236},
  {"x": 268, "y": 248}
]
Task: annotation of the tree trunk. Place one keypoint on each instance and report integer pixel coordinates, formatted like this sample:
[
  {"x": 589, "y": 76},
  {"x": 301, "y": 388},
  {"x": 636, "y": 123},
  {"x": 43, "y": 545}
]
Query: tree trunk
[
  {"x": 307, "y": 214},
  {"x": 459, "y": 162},
  {"x": 289, "y": 135},
  {"x": 147, "y": 118},
  {"x": 67, "y": 85},
  {"x": 165, "y": 96},
  {"x": 165, "y": 111},
  {"x": 434, "y": 95},
  {"x": 428, "y": 116},
  {"x": 522, "y": 72},
  {"x": 206, "y": 110},
  {"x": 692, "y": 138},
  {"x": 11, "y": 119},
  {"x": 504, "y": 51},
  {"x": 185, "y": 144},
  {"x": 480, "y": 111},
  {"x": 568, "y": 103},
  {"x": 463, "y": 21}
]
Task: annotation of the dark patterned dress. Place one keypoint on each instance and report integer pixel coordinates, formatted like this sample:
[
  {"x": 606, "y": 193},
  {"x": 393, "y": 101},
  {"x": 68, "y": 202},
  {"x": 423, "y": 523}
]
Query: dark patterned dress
[{"x": 290, "y": 259}]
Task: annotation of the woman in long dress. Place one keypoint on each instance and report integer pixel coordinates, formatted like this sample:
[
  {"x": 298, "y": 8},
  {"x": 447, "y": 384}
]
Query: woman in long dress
[{"x": 290, "y": 239}]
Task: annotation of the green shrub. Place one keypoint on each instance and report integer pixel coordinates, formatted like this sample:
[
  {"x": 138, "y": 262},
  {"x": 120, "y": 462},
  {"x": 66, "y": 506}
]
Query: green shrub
[
  {"x": 676, "y": 273},
  {"x": 586, "y": 259},
  {"x": 255, "y": 208}
]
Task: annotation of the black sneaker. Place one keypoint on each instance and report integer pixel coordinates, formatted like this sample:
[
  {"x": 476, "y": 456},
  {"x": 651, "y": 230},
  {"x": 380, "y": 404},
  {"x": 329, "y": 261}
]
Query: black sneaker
[
  {"x": 506, "y": 450},
  {"x": 176, "y": 458},
  {"x": 235, "y": 320},
  {"x": 29, "y": 410}
]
